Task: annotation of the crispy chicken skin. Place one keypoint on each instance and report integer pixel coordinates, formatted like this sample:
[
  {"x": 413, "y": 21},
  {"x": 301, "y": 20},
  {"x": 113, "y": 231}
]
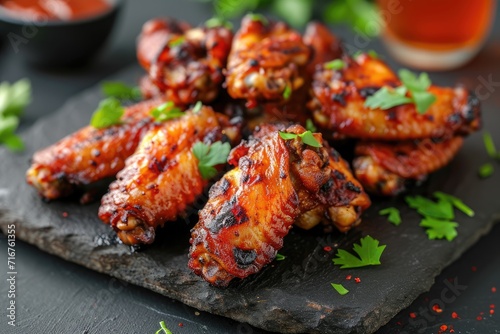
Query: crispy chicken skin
[
  {"x": 324, "y": 45},
  {"x": 89, "y": 154},
  {"x": 386, "y": 168},
  {"x": 184, "y": 63},
  {"x": 266, "y": 59},
  {"x": 339, "y": 97},
  {"x": 252, "y": 208},
  {"x": 162, "y": 178}
]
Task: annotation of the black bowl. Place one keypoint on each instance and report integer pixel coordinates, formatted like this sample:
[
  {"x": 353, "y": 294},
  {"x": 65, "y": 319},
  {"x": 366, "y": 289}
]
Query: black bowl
[{"x": 58, "y": 43}]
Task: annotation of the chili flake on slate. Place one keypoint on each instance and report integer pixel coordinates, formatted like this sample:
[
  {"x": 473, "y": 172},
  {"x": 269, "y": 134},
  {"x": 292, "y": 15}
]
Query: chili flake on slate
[
  {"x": 413, "y": 315},
  {"x": 492, "y": 305},
  {"x": 492, "y": 311},
  {"x": 443, "y": 328},
  {"x": 181, "y": 324},
  {"x": 473, "y": 268},
  {"x": 357, "y": 279},
  {"x": 327, "y": 249},
  {"x": 454, "y": 315},
  {"x": 479, "y": 318},
  {"x": 436, "y": 308},
  {"x": 348, "y": 277},
  {"x": 493, "y": 289},
  {"x": 65, "y": 214}
]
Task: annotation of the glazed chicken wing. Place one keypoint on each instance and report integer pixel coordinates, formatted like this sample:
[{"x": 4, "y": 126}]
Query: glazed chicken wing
[
  {"x": 162, "y": 178},
  {"x": 89, "y": 154},
  {"x": 275, "y": 182},
  {"x": 184, "y": 64},
  {"x": 339, "y": 97},
  {"x": 387, "y": 168},
  {"x": 266, "y": 62}
]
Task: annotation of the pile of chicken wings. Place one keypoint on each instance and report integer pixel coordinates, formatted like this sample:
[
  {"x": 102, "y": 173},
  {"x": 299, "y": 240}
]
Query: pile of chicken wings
[{"x": 260, "y": 89}]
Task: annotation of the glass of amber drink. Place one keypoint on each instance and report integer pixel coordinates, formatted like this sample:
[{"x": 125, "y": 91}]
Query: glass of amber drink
[{"x": 436, "y": 34}]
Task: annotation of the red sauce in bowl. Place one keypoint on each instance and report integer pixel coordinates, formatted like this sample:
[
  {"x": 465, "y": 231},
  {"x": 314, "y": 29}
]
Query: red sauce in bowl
[{"x": 54, "y": 10}]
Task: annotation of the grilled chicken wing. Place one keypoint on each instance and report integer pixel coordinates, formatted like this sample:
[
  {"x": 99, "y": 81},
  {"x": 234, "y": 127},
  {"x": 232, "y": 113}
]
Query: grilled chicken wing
[
  {"x": 185, "y": 64},
  {"x": 89, "y": 154},
  {"x": 339, "y": 96},
  {"x": 162, "y": 178},
  {"x": 274, "y": 184},
  {"x": 387, "y": 168},
  {"x": 266, "y": 62}
]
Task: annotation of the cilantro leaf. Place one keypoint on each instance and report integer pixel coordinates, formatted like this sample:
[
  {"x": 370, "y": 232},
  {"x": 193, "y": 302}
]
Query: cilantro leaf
[
  {"x": 166, "y": 111},
  {"x": 368, "y": 250},
  {"x": 426, "y": 207},
  {"x": 176, "y": 41},
  {"x": 120, "y": 90},
  {"x": 490, "y": 145},
  {"x": 307, "y": 138},
  {"x": 215, "y": 22},
  {"x": 287, "y": 92},
  {"x": 258, "y": 17},
  {"x": 414, "y": 83},
  {"x": 280, "y": 257},
  {"x": 394, "y": 216},
  {"x": 197, "y": 107},
  {"x": 8, "y": 126},
  {"x": 486, "y": 170},
  {"x": 209, "y": 156},
  {"x": 386, "y": 98},
  {"x": 439, "y": 229},
  {"x": 14, "y": 97},
  {"x": 423, "y": 100},
  {"x": 340, "y": 289},
  {"x": 336, "y": 64},
  {"x": 456, "y": 202},
  {"x": 310, "y": 125},
  {"x": 357, "y": 13},
  {"x": 163, "y": 329},
  {"x": 108, "y": 113}
]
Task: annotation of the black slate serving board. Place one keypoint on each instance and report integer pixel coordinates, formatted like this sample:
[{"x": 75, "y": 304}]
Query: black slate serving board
[{"x": 289, "y": 296}]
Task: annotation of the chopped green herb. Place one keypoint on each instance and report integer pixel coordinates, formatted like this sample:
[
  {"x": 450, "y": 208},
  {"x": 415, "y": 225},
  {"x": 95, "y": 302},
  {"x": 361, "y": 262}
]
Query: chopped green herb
[
  {"x": 340, "y": 289},
  {"x": 439, "y": 229},
  {"x": 13, "y": 99},
  {"x": 310, "y": 126},
  {"x": 176, "y": 41},
  {"x": 209, "y": 156},
  {"x": 120, "y": 90},
  {"x": 394, "y": 215},
  {"x": 8, "y": 126},
  {"x": 456, "y": 202},
  {"x": 108, "y": 113},
  {"x": 490, "y": 145},
  {"x": 336, "y": 64},
  {"x": 287, "y": 92},
  {"x": 418, "y": 87},
  {"x": 296, "y": 12},
  {"x": 307, "y": 138},
  {"x": 197, "y": 107},
  {"x": 258, "y": 17},
  {"x": 280, "y": 257},
  {"x": 486, "y": 170},
  {"x": 428, "y": 208},
  {"x": 215, "y": 22},
  {"x": 386, "y": 98},
  {"x": 359, "y": 14},
  {"x": 368, "y": 250},
  {"x": 163, "y": 329},
  {"x": 371, "y": 53},
  {"x": 166, "y": 111}
]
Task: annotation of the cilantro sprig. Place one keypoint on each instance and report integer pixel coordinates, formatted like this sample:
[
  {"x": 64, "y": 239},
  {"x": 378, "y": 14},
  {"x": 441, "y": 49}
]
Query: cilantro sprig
[
  {"x": 287, "y": 92},
  {"x": 336, "y": 64},
  {"x": 166, "y": 111},
  {"x": 368, "y": 250},
  {"x": 310, "y": 125},
  {"x": 120, "y": 90},
  {"x": 388, "y": 97},
  {"x": 14, "y": 98},
  {"x": 487, "y": 169},
  {"x": 210, "y": 156},
  {"x": 280, "y": 257},
  {"x": 108, "y": 113},
  {"x": 307, "y": 138},
  {"x": 163, "y": 329}
]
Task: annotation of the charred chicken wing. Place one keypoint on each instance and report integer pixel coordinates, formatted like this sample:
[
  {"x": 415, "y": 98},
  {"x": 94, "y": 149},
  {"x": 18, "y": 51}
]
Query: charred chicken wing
[
  {"x": 339, "y": 97},
  {"x": 387, "y": 168},
  {"x": 89, "y": 154},
  {"x": 184, "y": 64},
  {"x": 162, "y": 178},
  {"x": 275, "y": 183},
  {"x": 266, "y": 62}
]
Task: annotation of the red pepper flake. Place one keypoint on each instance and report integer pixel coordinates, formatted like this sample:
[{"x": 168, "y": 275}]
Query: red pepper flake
[
  {"x": 493, "y": 289},
  {"x": 413, "y": 315},
  {"x": 357, "y": 279},
  {"x": 399, "y": 323},
  {"x": 474, "y": 268},
  {"x": 481, "y": 313},
  {"x": 479, "y": 318},
  {"x": 181, "y": 324},
  {"x": 492, "y": 305},
  {"x": 443, "y": 328},
  {"x": 348, "y": 277},
  {"x": 327, "y": 249},
  {"x": 65, "y": 214},
  {"x": 492, "y": 311},
  {"x": 436, "y": 308},
  {"x": 451, "y": 329},
  {"x": 454, "y": 315}
]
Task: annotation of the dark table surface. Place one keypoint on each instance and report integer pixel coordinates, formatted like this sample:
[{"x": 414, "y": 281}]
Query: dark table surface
[{"x": 53, "y": 294}]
